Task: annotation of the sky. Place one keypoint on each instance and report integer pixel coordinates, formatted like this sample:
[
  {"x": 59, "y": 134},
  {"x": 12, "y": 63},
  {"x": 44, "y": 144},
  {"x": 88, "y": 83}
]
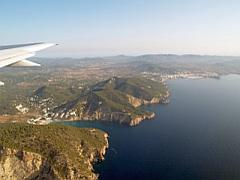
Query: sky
[{"x": 130, "y": 27}]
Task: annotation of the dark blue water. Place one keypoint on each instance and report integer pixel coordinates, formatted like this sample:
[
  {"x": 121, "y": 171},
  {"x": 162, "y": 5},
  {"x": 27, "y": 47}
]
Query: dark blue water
[{"x": 196, "y": 136}]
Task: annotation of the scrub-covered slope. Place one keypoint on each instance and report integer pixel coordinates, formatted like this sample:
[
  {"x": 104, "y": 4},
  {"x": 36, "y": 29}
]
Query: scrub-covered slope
[
  {"x": 53, "y": 151},
  {"x": 116, "y": 99}
]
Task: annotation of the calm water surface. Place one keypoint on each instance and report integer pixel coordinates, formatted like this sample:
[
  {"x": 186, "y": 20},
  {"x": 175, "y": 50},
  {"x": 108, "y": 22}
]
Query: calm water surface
[{"x": 196, "y": 136}]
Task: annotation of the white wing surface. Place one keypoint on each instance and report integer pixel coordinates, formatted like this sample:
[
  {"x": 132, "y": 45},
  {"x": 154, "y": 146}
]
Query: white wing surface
[{"x": 16, "y": 55}]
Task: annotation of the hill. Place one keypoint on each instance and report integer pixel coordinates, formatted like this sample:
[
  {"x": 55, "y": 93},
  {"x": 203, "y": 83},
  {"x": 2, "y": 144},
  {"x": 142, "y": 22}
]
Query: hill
[
  {"x": 52, "y": 151},
  {"x": 115, "y": 99}
]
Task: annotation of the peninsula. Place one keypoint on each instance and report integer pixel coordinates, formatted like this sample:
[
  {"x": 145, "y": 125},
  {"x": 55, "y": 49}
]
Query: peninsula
[{"x": 115, "y": 99}]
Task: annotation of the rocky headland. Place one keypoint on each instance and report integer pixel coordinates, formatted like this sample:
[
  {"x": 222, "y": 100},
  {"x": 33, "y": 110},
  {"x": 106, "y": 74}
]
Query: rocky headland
[
  {"x": 50, "y": 152},
  {"x": 115, "y": 100}
]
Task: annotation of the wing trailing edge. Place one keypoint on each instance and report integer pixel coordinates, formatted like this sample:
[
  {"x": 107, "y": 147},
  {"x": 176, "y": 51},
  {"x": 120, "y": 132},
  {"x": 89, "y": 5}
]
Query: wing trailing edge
[
  {"x": 25, "y": 63},
  {"x": 16, "y": 55}
]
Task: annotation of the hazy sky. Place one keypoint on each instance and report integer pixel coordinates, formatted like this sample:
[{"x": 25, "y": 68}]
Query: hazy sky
[{"x": 111, "y": 27}]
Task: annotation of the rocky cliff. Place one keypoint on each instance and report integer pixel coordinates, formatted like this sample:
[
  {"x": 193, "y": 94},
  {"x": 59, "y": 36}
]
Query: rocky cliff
[
  {"x": 50, "y": 152},
  {"x": 18, "y": 164}
]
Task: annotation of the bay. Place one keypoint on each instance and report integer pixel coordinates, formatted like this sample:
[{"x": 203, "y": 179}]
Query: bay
[{"x": 195, "y": 136}]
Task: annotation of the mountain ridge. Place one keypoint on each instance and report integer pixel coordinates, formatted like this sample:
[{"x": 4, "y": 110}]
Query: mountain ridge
[{"x": 115, "y": 99}]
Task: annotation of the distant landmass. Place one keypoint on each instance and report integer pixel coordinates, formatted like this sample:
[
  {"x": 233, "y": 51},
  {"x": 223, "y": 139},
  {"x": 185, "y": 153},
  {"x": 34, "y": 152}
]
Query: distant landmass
[
  {"x": 68, "y": 77},
  {"x": 49, "y": 152},
  {"x": 164, "y": 63}
]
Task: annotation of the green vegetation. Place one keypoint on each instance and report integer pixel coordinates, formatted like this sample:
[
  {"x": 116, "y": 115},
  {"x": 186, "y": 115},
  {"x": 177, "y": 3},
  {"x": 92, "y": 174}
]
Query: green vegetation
[
  {"x": 22, "y": 83},
  {"x": 115, "y": 99},
  {"x": 64, "y": 147},
  {"x": 53, "y": 95},
  {"x": 141, "y": 87},
  {"x": 59, "y": 94},
  {"x": 114, "y": 92}
]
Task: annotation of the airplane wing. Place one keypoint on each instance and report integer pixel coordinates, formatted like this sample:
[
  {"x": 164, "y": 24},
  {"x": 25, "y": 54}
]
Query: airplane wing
[{"x": 16, "y": 55}]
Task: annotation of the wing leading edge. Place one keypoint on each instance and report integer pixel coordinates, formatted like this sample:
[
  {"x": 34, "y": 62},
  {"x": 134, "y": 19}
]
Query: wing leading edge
[{"x": 16, "y": 55}]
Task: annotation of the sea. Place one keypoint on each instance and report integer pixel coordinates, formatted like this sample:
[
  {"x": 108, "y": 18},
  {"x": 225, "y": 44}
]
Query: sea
[{"x": 195, "y": 136}]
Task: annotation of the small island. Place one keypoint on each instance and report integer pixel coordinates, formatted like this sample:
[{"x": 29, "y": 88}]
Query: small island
[{"x": 49, "y": 152}]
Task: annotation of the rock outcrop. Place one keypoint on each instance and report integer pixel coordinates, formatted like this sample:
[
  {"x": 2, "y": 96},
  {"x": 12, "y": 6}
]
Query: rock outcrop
[
  {"x": 136, "y": 102},
  {"x": 50, "y": 152},
  {"x": 18, "y": 165},
  {"x": 135, "y": 121}
]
